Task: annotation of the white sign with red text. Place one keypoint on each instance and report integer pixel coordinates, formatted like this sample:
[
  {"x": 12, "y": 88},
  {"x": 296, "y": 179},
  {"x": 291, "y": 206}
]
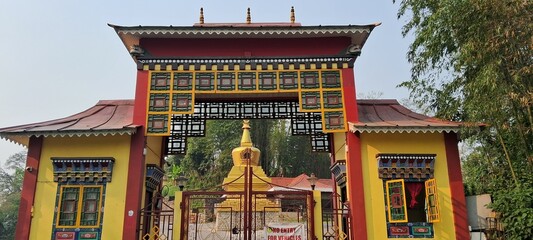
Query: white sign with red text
[{"x": 285, "y": 231}]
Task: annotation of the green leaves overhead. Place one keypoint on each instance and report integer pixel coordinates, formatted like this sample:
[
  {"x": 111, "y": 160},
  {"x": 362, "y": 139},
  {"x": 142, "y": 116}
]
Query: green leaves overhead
[{"x": 472, "y": 61}]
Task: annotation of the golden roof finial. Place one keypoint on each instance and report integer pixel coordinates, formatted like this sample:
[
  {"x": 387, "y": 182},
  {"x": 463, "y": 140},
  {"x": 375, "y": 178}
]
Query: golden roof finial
[
  {"x": 248, "y": 17},
  {"x": 245, "y": 124},
  {"x": 246, "y": 140},
  {"x": 201, "y": 15},
  {"x": 293, "y": 18}
]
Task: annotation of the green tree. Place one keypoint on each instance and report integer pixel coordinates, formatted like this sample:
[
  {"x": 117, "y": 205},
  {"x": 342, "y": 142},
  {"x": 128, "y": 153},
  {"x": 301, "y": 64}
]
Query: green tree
[
  {"x": 261, "y": 137},
  {"x": 472, "y": 61},
  {"x": 291, "y": 156},
  {"x": 208, "y": 159},
  {"x": 11, "y": 177},
  {"x": 278, "y": 143}
]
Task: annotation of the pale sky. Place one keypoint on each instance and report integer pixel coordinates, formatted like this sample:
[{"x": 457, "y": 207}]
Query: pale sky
[{"x": 59, "y": 57}]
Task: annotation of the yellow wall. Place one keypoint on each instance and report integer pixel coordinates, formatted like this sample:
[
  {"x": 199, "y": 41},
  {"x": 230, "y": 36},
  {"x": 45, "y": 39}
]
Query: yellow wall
[
  {"x": 153, "y": 156},
  {"x": 339, "y": 140},
  {"x": 430, "y": 143},
  {"x": 153, "y": 150},
  {"x": 177, "y": 212},
  {"x": 45, "y": 196}
]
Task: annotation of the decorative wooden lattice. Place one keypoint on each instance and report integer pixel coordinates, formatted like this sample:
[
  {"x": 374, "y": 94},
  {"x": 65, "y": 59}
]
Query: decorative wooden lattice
[{"x": 193, "y": 125}]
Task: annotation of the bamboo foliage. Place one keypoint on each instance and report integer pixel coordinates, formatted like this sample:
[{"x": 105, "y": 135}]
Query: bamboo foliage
[{"x": 472, "y": 61}]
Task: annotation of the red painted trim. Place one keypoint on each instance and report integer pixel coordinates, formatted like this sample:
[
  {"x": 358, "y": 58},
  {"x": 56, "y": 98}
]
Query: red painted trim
[
  {"x": 356, "y": 197},
  {"x": 273, "y": 47},
  {"x": 135, "y": 185},
  {"x": 141, "y": 98},
  {"x": 460, "y": 216},
  {"x": 136, "y": 164},
  {"x": 350, "y": 99},
  {"x": 29, "y": 186},
  {"x": 354, "y": 162}
]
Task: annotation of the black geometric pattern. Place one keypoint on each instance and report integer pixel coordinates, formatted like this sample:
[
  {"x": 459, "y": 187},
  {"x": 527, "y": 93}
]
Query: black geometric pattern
[{"x": 193, "y": 125}]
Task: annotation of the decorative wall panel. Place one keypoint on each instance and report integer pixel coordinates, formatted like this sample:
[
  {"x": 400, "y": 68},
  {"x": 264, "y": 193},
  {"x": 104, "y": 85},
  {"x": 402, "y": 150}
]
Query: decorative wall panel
[
  {"x": 83, "y": 170},
  {"x": 173, "y": 92},
  {"x": 406, "y": 166}
]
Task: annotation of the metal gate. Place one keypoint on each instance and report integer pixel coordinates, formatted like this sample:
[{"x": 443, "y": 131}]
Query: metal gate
[
  {"x": 248, "y": 214},
  {"x": 205, "y": 217},
  {"x": 335, "y": 219},
  {"x": 157, "y": 219}
]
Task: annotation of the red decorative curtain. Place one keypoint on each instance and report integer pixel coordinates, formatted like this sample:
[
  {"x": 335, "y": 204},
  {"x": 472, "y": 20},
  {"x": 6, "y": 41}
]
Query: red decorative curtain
[{"x": 414, "y": 190}]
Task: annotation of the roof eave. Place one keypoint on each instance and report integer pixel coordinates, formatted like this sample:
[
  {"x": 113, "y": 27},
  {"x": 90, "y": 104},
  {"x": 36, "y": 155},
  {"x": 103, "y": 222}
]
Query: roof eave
[
  {"x": 130, "y": 35},
  {"x": 403, "y": 129},
  {"x": 22, "y": 138},
  {"x": 138, "y": 28}
]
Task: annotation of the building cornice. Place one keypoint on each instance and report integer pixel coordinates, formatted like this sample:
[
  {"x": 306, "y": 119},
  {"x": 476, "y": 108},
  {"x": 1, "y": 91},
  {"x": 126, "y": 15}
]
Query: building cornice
[
  {"x": 282, "y": 32},
  {"x": 22, "y": 138},
  {"x": 175, "y": 63},
  {"x": 403, "y": 129}
]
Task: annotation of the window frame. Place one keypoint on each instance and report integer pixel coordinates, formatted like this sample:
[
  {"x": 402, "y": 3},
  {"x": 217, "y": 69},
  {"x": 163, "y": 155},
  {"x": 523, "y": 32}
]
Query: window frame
[
  {"x": 430, "y": 188},
  {"x": 80, "y": 205},
  {"x": 432, "y": 211},
  {"x": 389, "y": 196}
]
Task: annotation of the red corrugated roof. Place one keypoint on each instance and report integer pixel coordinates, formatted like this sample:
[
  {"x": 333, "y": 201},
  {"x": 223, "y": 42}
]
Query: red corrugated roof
[
  {"x": 106, "y": 117},
  {"x": 388, "y": 115},
  {"x": 281, "y": 181},
  {"x": 301, "y": 182}
]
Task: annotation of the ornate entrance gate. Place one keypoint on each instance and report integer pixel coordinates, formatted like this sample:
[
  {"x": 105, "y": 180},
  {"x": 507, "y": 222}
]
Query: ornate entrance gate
[{"x": 187, "y": 75}]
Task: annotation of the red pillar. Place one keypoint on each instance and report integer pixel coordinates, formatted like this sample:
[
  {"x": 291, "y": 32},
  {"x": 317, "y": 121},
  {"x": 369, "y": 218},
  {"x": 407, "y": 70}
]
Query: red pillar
[
  {"x": 135, "y": 186},
  {"x": 456, "y": 187},
  {"x": 136, "y": 164},
  {"x": 29, "y": 184},
  {"x": 354, "y": 163}
]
